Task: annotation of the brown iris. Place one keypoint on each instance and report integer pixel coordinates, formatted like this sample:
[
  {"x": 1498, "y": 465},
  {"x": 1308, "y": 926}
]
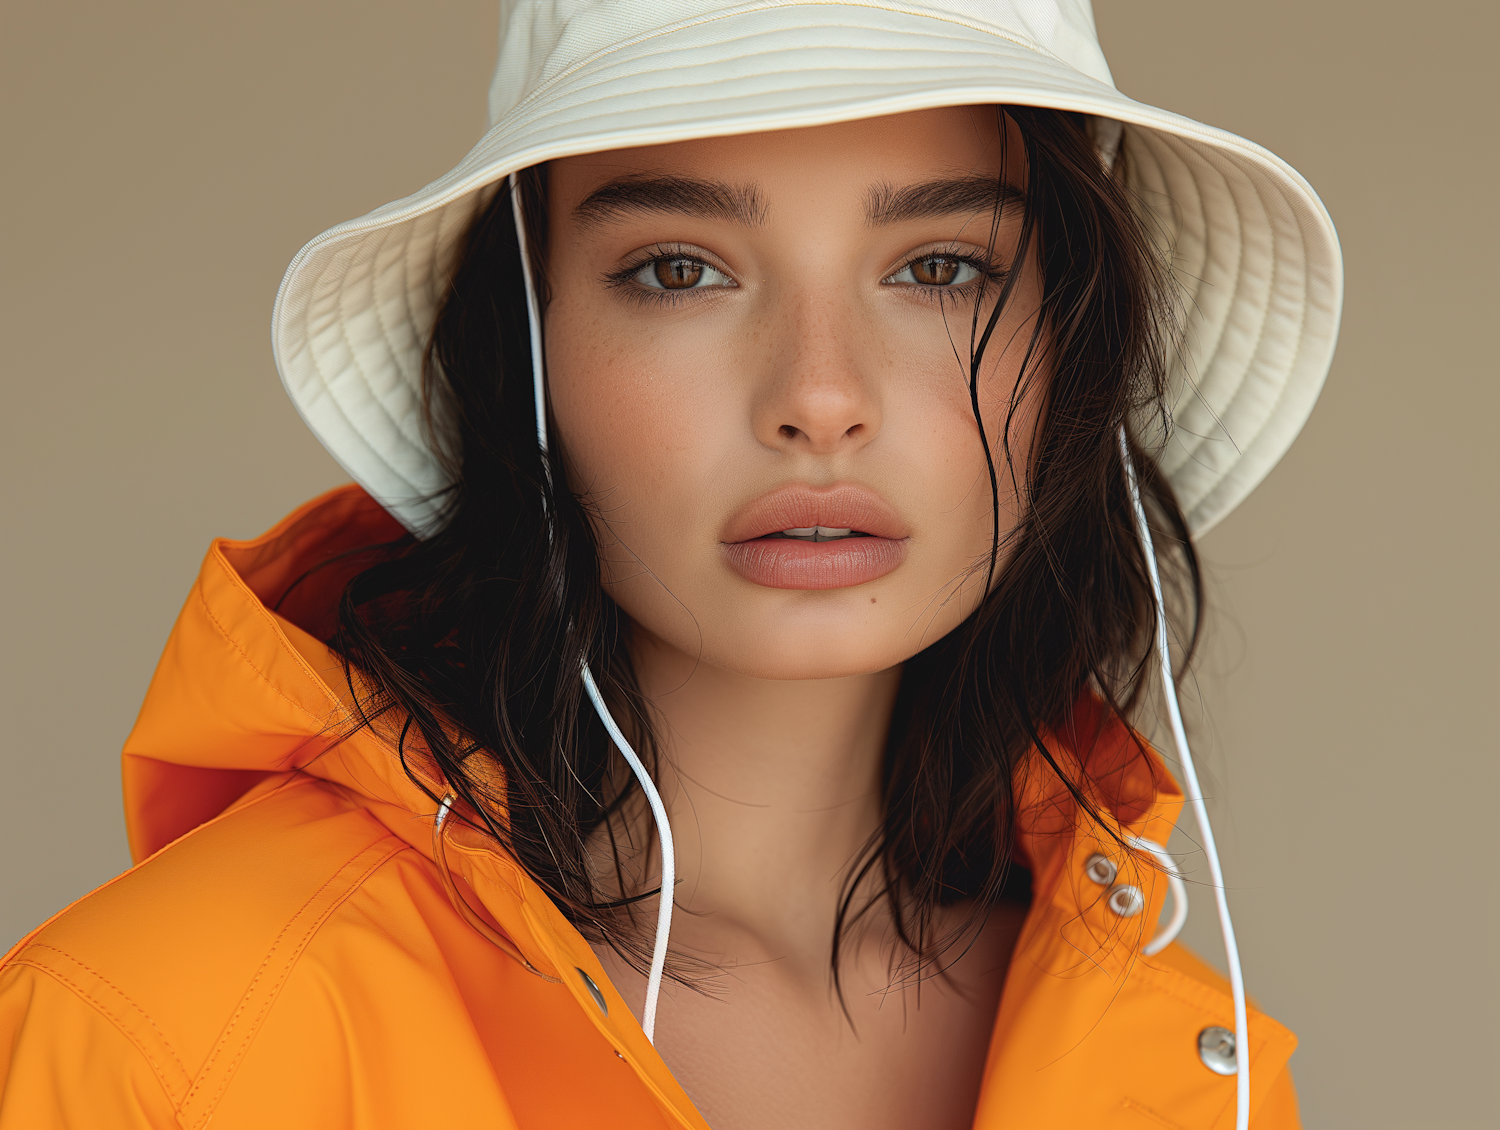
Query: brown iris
[
  {"x": 935, "y": 270},
  {"x": 678, "y": 274}
]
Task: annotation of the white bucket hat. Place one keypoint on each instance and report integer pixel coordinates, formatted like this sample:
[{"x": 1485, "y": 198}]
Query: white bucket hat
[{"x": 1252, "y": 248}]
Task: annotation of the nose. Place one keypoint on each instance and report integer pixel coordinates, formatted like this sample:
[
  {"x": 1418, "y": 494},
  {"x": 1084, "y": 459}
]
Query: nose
[{"x": 819, "y": 395}]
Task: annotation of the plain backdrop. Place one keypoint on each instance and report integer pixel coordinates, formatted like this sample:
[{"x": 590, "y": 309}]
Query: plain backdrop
[{"x": 164, "y": 160}]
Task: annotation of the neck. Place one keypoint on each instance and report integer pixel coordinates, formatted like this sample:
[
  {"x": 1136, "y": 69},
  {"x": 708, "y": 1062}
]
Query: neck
[{"x": 772, "y": 788}]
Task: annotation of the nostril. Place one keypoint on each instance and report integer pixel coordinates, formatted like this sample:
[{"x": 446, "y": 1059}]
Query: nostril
[{"x": 788, "y": 432}]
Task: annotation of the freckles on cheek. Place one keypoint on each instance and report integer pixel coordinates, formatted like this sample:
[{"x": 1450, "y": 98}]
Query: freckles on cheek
[{"x": 632, "y": 424}]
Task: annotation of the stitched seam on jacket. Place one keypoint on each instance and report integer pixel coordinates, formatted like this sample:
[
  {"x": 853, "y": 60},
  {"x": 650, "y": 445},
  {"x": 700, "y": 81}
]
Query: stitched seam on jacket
[
  {"x": 258, "y": 606},
  {"x": 13, "y": 954},
  {"x": 103, "y": 1009},
  {"x": 230, "y": 640},
  {"x": 1165, "y": 981},
  {"x": 383, "y": 851},
  {"x": 1145, "y": 1111}
]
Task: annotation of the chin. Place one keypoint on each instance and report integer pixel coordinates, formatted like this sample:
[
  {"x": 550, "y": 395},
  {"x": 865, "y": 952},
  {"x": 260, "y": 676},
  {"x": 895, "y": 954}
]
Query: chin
[
  {"x": 814, "y": 647},
  {"x": 778, "y": 662}
]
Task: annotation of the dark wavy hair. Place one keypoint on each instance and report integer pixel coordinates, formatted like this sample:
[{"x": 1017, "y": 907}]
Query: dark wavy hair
[{"x": 466, "y": 644}]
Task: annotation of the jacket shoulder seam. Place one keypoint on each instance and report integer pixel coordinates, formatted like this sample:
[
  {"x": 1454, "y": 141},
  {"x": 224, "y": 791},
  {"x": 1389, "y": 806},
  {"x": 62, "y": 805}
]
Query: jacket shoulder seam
[
  {"x": 219, "y": 1069},
  {"x": 174, "y": 1083},
  {"x": 237, "y": 806}
]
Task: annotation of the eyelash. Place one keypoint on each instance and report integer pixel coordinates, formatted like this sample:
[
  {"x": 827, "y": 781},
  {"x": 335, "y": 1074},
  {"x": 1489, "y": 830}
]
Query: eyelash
[
  {"x": 989, "y": 273},
  {"x": 623, "y": 278}
]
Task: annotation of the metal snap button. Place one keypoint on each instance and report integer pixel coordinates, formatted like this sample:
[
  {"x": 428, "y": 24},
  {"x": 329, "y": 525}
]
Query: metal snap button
[
  {"x": 1126, "y": 901},
  {"x": 588, "y": 983},
  {"x": 1216, "y": 1050},
  {"x": 1101, "y": 869}
]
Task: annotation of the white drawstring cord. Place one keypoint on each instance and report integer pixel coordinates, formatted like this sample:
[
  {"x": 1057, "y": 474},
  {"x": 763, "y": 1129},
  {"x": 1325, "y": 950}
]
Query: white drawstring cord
[
  {"x": 1177, "y": 888},
  {"x": 668, "y": 860},
  {"x": 1195, "y": 798},
  {"x": 533, "y": 317},
  {"x": 658, "y": 809}
]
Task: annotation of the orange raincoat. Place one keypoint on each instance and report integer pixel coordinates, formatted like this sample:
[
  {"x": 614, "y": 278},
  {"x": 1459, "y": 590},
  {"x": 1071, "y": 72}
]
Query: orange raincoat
[{"x": 286, "y": 953}]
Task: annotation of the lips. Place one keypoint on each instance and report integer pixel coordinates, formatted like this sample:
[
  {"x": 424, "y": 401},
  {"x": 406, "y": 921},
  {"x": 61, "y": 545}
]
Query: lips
[{"x": 793, "y": 538}]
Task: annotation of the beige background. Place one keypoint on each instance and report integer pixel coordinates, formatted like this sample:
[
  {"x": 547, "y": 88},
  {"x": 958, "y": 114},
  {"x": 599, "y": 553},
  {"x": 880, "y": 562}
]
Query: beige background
[{"x": 164, "y": 161}]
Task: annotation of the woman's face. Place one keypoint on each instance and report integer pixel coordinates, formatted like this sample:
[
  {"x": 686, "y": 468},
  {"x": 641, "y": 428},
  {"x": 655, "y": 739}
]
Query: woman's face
[{"x": 755, "y": 344}]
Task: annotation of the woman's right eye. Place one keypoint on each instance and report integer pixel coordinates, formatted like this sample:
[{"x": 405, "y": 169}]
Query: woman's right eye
[{"x": 678, "y": 272}]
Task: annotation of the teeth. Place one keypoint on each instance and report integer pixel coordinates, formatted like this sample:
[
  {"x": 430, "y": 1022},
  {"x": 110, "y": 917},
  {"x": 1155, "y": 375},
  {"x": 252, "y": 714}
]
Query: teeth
[{"x": 816, "y": 533}]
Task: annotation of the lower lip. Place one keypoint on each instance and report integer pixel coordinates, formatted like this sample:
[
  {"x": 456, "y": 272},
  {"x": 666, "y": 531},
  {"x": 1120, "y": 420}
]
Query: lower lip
[{"x": 786, "y": 563}]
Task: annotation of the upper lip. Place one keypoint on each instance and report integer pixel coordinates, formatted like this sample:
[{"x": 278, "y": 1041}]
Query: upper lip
[{"x": 800, "y": 505}]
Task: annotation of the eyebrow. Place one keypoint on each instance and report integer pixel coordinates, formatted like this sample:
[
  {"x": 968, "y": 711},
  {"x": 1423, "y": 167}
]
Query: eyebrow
[
  {"x": 672, "y": 195},
  {"x": 953, "y": 196},
  {"x": 744, "y": 205}
]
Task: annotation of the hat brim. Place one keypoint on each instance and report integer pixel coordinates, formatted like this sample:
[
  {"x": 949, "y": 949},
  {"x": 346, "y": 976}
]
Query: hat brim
[{"x": 1252, "y": 249}]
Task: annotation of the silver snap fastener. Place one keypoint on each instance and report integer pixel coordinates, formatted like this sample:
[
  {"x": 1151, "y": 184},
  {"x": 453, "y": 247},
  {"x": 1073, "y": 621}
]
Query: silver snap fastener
[
  {"x": 588, "y": 983},
  {"x": 1216, "y": 1050},
  {"x": 1101, "y": 869},
  {"x": 1126, "y": 901}
]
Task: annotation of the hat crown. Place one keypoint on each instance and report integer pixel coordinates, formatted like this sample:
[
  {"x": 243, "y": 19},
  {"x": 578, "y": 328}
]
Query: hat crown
[{"x": 541, "y": 39}]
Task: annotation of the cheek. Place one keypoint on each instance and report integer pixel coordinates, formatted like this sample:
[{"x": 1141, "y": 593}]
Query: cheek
[
  {"x": 643, "y": 422},
  {"x": 935, "y": 422},
  {"x": 943, "y": 482}
]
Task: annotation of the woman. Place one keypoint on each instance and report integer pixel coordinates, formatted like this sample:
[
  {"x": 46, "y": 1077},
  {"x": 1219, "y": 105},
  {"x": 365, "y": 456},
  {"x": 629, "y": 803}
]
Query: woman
[{"x": 756, "y": 437}]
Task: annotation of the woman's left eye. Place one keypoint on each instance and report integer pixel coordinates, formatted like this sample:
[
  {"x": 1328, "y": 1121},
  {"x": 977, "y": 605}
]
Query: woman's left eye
[
  {"x": 677, "y": 272},
  {"x": 936, "y": 270}
]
